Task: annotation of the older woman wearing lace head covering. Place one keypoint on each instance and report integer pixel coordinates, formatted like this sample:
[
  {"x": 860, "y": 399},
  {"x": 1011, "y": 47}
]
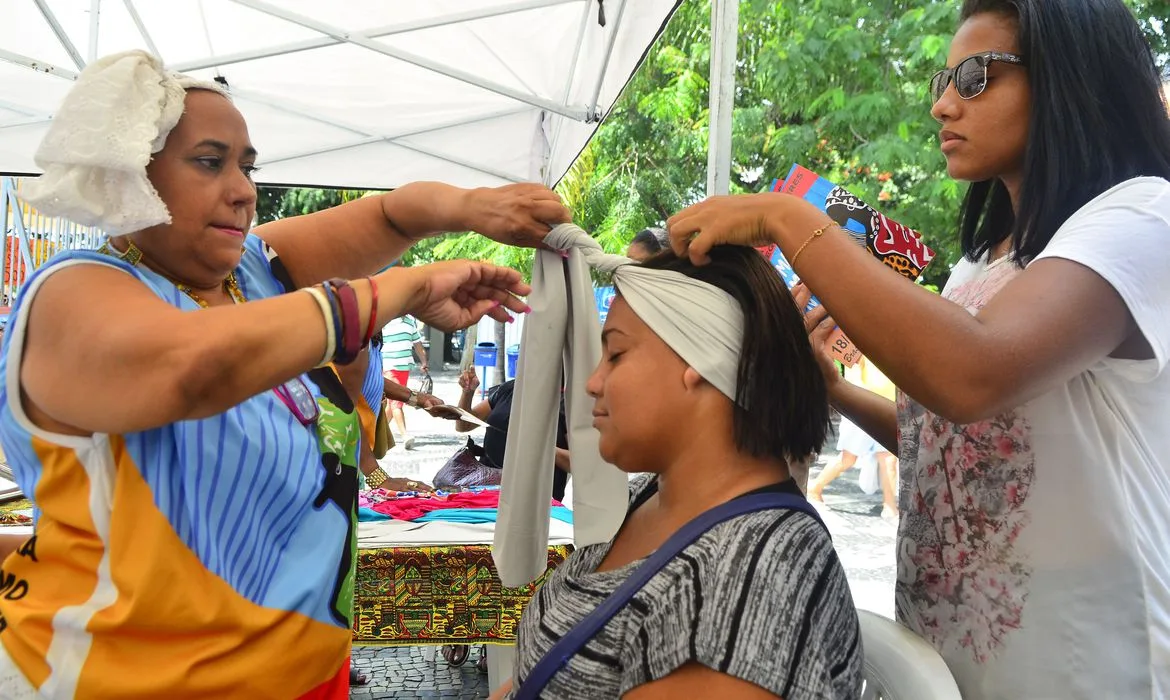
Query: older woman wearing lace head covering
[
  {"x": 194, "y": 474},
  {"x": 755, "y": 605}
]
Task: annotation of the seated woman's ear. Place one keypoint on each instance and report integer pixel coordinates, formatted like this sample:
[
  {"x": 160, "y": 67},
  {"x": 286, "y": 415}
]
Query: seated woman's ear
[{"x": 692, "y": 379}]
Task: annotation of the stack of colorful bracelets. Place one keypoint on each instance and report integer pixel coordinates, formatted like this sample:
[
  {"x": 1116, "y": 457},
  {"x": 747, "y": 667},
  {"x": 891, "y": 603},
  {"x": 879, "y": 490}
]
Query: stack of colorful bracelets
[{"x": 343, "y": 329}]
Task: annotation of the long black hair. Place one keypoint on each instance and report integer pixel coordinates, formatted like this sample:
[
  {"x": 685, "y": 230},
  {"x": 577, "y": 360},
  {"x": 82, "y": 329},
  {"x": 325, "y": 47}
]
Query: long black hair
[
  {"x": 778, "y": 378},
  {"x": 1098, "y": 119}
]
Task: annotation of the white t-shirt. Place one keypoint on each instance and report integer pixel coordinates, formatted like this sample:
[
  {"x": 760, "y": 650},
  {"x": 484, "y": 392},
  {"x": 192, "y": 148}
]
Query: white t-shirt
[{"x": 1034, "y": 548}]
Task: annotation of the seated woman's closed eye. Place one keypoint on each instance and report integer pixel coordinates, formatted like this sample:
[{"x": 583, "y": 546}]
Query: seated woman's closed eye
[{"x": 704, "y": 389}]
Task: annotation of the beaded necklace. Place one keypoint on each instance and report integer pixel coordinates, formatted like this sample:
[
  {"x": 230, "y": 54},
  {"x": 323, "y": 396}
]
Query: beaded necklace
[
  {"x": 133, "y": 256},
  {"x": 294, "y": 394}
]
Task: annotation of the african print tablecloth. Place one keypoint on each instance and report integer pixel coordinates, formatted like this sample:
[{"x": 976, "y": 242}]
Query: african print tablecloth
[{"x": 407, "y": 596}]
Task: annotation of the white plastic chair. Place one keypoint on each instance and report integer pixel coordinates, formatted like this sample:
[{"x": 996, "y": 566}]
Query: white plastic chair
[{"x": 899, "y": 665}]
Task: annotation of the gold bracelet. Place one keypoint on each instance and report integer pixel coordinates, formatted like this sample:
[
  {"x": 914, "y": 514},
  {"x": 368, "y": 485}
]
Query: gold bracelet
[
  {"x": 375, "y": 477},
  {"x": 815, "y": 234}
]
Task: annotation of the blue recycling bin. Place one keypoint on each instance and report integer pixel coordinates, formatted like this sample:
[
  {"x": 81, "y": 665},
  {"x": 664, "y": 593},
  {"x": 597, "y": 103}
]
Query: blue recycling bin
[
  {"x": 485, "y": 358},
  {"x": 486, "y": 355},
  {"x": 513, "y": 359}
]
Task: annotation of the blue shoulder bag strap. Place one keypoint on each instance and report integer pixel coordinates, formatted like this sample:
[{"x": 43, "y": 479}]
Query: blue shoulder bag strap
[{"x": 584, "y": 630}]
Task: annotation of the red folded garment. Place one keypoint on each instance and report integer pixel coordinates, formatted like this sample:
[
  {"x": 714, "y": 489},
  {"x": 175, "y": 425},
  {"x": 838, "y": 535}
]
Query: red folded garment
[{"x": 411, "y": 508}]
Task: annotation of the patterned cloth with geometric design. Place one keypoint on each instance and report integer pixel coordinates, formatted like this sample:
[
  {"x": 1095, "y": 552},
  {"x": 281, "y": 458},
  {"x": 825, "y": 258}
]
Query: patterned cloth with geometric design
[{"x": 438, "y": 595}]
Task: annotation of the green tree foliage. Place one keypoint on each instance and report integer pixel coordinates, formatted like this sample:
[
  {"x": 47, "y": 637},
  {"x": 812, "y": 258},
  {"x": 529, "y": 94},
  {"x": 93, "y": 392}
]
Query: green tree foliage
[
  {"x": 277, "y": 203},
  {"x": 835, "y": 85},
  {"x": 1153, "y": 15}
]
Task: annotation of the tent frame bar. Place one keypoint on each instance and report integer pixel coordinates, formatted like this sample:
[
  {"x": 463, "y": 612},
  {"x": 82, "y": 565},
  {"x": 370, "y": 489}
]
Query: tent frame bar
[
  {"x": 392, "y": 138},
  {"x": 333, "y": 36},
  {"x": 417, "y": 149},
  {"x": 11, "y": 107},
  {"x": 374, "y": 32},
  {"x": 724, "y": 33},
  {"x": 37, "y": 65},
  {"x": 617, "y": 23},
  {"x": 137, "y": 19},
  {"x": 584, "y": 23},
  {"x": 59, "y": 32},
  {"x": 306, "y": 113},
  {"x": 358, "y": 39},
  {"x": 95, "y": 14},
  {"x": 27, "y": 122}
]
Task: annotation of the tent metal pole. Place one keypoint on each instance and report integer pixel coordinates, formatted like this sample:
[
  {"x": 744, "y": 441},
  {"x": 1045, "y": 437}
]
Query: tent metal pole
[
  {"x": 378, "y": 139},
  {"x": 617, "y": 23},
  {"x": 365, "y": 42},
  {"x": 12, "y": 107},
  {"x": 374, "y": 32},
  {"x": 724, "y": 32},
  {"x": 59, "y": 32},
  {"x": 585, "y": 14},
  {"x": 34, "y": 64},
  {"x": 95, "y": 14},
  {"x": 371, "y": 138},
  {"x": 306, "y": 112},
  {"x": 133, "y": 12},
  {"x": 556, "y": 141},
  {"x": 417, "y": 149},
  {"x": 507, "y": 177},
  {"x": 391, "y": 138},
  {"x": 511, "y": 71},
  {"x": 26, "y": 122}
]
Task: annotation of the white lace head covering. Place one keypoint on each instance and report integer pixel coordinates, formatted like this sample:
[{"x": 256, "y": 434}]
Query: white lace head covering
[{"x": 118, "y": 113}]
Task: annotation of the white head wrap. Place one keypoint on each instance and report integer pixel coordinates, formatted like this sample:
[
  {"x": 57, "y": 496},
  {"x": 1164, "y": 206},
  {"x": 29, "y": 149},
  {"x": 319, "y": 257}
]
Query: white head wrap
[
  {"x": 95, "y": 154},
  {"x": 699, "y": 321}
]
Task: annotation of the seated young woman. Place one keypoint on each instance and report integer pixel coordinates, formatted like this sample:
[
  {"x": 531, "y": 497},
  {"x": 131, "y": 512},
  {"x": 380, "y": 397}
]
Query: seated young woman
[
  {"x": 496, "y": 411},
  {"x": 757, "y": 606}
]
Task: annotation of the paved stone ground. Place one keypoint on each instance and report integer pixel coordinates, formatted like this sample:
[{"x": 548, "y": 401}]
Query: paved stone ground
[
  {"x": 408, "y": 672},
  {"x": 864, "y": 541}
]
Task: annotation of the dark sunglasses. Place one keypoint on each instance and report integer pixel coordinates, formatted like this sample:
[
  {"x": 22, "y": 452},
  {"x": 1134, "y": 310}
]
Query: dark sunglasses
[
  {"x": 970, "y": 76},
  {"x": 296, "y": 395}
]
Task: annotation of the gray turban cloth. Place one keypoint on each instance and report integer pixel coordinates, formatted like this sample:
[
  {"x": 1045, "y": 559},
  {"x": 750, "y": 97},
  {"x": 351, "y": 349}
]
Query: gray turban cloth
[{"x": 699, "y": 321}]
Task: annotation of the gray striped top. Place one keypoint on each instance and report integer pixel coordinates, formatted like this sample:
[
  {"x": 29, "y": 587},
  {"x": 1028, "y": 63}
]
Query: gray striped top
[{"x": 761, "y": 597}]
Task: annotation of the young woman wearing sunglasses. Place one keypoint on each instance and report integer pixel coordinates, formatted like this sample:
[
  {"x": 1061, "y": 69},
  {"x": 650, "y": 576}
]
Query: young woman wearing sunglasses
[{"x": 1033, "y": 414}]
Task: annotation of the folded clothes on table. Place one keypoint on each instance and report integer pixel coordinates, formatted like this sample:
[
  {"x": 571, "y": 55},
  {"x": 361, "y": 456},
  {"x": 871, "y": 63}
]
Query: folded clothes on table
[
  {"x": 369, "y": 515},
  {"x": 414, "y": 507},
  {"x": 369, "y": 497},
  {"x": 403, "y": 533},
  {"x": 484, "y": 515}
]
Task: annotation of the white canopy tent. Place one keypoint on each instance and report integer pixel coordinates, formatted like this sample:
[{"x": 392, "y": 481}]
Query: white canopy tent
[{"x": 354, "y": 93}]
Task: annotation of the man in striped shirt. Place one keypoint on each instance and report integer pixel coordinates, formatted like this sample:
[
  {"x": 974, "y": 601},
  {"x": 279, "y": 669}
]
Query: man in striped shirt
[{"x": 400, "y": 342}]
